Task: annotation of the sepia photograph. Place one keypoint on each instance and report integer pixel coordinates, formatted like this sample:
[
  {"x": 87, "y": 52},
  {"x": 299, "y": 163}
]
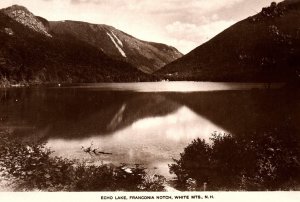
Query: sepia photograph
[{"x": 150, "y": 96}]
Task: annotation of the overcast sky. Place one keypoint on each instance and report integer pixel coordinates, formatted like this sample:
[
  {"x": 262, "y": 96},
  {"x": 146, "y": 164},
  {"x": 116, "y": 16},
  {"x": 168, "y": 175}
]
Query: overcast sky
[{"x": 184, "y": 24}]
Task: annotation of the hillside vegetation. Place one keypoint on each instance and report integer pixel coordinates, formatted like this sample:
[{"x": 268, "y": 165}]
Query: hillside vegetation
[{"x": 264, "y": 47}]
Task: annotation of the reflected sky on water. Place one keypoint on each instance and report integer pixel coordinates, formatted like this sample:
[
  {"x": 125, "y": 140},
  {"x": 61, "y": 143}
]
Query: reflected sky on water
[{"x": 145, "y": 123}]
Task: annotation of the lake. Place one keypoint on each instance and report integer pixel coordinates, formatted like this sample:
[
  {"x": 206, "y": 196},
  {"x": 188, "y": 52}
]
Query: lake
[{"x": 142, "y": 123}]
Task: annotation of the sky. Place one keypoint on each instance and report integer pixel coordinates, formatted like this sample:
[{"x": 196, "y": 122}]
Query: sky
[{"x": 184, "y": 24}]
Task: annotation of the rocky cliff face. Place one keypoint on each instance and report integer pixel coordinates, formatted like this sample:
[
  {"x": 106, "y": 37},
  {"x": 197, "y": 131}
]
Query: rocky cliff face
[{"x": 26, "y": 18}]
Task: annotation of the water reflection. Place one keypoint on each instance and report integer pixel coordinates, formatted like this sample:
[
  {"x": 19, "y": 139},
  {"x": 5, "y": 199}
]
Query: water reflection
[
  {"x": 149, "y": 141},
  {"x": 140, "y": 127},
  {"x": 179, "y": 86}
]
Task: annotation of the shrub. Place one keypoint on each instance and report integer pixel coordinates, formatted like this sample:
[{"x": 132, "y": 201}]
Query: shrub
[
  {"x": 32, "y": 167},
  {"x": 153, "y": 183},
  {"x": 194, "y": 163},
  {"x": 256, "y": 161}
]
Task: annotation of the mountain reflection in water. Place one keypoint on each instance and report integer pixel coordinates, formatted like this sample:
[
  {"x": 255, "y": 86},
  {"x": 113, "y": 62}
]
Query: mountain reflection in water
[
  {"x": 149, "y": 141},
  {"x": 149, "y": 128}
]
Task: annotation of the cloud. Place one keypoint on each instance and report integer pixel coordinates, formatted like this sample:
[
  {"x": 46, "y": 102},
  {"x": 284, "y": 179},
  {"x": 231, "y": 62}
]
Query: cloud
[
  {"x": 183, "y": 24},
  {"x": 179, "y": 5},
  {"x": 108, "y": 3},
  {"x": 85, "y": 1},
  {"x": 183, "y": 45},
  {"x": 188, "y": 35},
  {"x": 166, "y": 6}
]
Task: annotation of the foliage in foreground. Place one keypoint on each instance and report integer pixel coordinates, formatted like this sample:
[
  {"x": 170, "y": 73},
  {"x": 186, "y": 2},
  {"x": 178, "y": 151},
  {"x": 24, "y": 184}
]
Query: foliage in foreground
[
  {"x": 31, "y": 167},
  {"x": 258, "y": 161}
]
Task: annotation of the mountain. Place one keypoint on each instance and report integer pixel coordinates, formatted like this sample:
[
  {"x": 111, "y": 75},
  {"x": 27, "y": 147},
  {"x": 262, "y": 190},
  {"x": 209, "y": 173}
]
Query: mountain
[
  {"x": 30, "y": 54},
  {"x": 34, "y": 51},
  {"x": 263, "y": 47},
  {"x": 146, "y": 56}
]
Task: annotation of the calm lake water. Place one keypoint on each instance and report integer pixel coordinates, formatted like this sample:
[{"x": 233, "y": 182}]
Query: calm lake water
[{"x": 144, "y": 123}]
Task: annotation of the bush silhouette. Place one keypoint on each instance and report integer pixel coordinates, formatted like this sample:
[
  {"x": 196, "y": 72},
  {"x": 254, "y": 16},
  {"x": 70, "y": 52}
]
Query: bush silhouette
[{"x": 266, "y": 160}]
